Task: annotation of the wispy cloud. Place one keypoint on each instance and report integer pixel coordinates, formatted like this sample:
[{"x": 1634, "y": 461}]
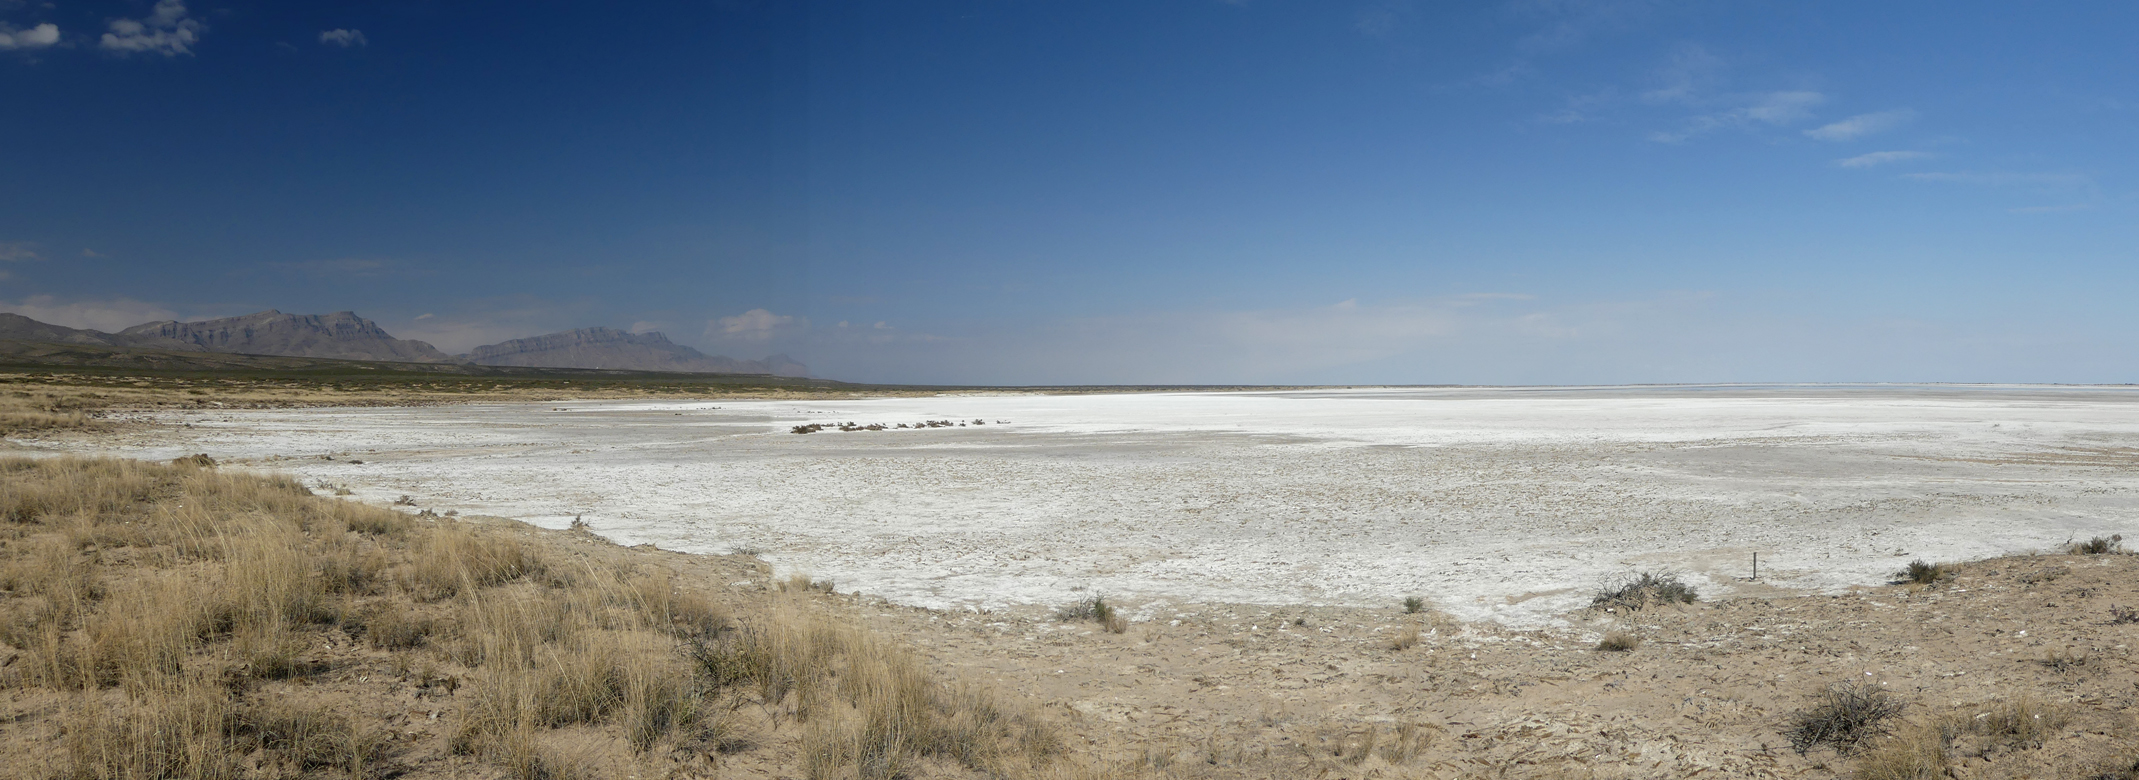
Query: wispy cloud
[
  {"x": 1880, "y": 158},
  {"x": 343, "y": 38},
  {"x": 1691, "y": 72},
  {"x": 18, "y": 251},
  {"x": 2053, "y": 180},
  {"x": 755, "y": 325},
  {"x": 166, "y": 31},
  {"x": 1862, "y": 125},
  {"x": 1770, "y": 108},
  {"x": 105, "y": 314},
  {"x": 38, "y": 37}
]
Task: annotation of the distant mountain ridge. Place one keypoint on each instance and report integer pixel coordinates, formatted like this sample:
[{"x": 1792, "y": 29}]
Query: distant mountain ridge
[
  {"x": 342, "y": 335},
  {"x": 346, "y": 336},
  {"x": 616, "y": 349}
]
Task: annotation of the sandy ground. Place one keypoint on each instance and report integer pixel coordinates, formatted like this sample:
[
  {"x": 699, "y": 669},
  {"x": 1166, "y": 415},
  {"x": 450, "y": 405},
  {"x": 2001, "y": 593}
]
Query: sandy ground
[{"x": 1508, "y": 505}]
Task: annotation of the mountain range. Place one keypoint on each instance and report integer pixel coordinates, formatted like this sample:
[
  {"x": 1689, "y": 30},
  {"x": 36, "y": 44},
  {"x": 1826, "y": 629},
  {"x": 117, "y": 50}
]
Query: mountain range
[{"x": 345, "y": 336}]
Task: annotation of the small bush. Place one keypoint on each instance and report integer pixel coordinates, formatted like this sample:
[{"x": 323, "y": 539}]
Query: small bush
[
  {"x": 1643, "y": 591},
  {"x": 1413, "y": 604},
  {"x": 2099, "y": 545},
  {"x": 2120, "y": 616},
  {"x": 1619, "y": 642},
  {"x": 1843, "y": 716},
  {"x": 1094, "y": 609},
  {"x": 1921, "y": 573}
]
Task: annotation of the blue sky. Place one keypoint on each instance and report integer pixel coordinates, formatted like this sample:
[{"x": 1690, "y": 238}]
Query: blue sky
[{"x": 1028, "y": 192}]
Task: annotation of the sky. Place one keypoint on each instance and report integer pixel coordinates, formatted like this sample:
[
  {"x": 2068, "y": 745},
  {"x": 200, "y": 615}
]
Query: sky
[{"x": 1029, "y": 192}]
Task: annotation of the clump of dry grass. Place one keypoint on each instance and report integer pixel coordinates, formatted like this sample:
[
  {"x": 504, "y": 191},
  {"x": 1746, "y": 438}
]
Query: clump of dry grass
[
  {"x": 1918, "y": 752},
  {"x": 1921, "y": 573},
  {"x": 1618, "y": 642},
  {"x": 1406, "y": 638}
]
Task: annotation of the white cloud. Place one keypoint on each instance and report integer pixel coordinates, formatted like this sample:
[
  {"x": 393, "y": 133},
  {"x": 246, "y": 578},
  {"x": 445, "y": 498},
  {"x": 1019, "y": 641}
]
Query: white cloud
[
  {"x": 1769, "y": 108},
  {"x": 1862, "y": 125},
  {"x": 37, "y": 37},
  {"x": 343, "y": 38},
  {"x": 112, "y": 314},
  {"x": 424, "y": 316},
  {"x": 1880, "y": 158},
  {"x": 754, "y": 326},
  {"x": 166, "y": 31}
]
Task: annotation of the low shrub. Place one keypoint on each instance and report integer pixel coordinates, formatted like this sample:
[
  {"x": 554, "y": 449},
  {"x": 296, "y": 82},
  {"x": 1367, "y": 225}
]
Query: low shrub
[
  {"x": 1843, "y": 716},
  {"x": 1413, "y": 604},
  {"x": 1618, "y": 642},
  {"x": 1921, "y": 573},
  {"x": 1644, "y": 590},
  {"x": 2099, "y": 545}
]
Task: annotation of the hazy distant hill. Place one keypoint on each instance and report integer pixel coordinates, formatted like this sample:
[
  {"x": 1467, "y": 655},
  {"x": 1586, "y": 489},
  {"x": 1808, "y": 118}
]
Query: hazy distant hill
[
  {"x": 16, "y": 327},
  {"x": 346, "y": 336},
  {"x": 342, "y": 335},
  {"x": 615, "y": 349}
]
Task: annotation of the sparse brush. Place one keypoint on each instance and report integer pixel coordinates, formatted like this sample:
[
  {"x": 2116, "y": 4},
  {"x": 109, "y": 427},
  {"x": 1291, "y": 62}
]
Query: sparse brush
[
  {"x": 392, "y": 627},
  {"x": 1921, "y": 573},
  {"x": 454, "y": 556},
  {"x": 2119, "y": 616},
  {"x": 2063, "y": 660},
  {"x": 2099, "y": 545},
  {"x": 181, "y": 733},
  {"x": 1618, "y": 642},
  {"x": 310, "y": 738},
  {"x": 1406, "y": 638},
  {"x": 1843, "y": 716},
  {"x": 2020, "y": 722},
  {"x": 1413, "y": 605},
  {"x": 1644, "y": 590}
]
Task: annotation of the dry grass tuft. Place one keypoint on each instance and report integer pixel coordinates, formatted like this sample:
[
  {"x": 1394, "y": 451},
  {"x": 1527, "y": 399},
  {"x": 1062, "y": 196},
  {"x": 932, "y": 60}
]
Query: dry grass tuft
[
  {"x": 1406, "y": 638},
  {"x": 1921, "y": 573},
  {"x": 1618, "y": 642},
  {"x": 1917, "y": 753}
]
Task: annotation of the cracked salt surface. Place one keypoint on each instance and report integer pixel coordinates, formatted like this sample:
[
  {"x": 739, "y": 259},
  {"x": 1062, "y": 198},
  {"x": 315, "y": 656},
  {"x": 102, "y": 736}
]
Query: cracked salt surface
[{"x": 1501, "y": 504}]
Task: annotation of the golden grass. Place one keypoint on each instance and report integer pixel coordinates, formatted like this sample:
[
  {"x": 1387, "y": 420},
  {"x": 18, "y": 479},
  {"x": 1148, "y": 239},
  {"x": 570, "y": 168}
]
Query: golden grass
[{"x": 178, "y": 609}]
